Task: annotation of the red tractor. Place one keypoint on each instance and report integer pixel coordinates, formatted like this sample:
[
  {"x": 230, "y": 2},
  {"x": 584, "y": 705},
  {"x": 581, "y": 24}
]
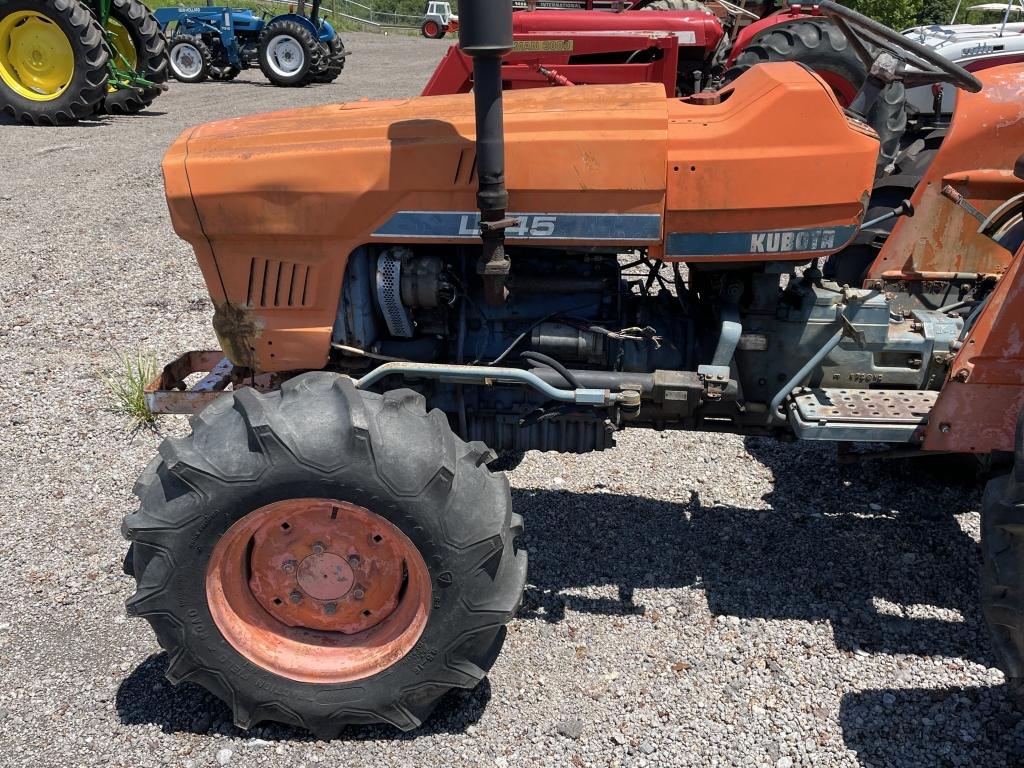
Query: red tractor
[{"x": 684, "y": 45}]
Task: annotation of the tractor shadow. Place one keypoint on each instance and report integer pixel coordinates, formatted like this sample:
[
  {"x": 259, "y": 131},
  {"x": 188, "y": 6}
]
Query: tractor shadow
[
  {"x": 145, "y": 697},
  {"x": 855, "y": 546},
  {"x": 973, "y": 726},
  {"x": 863, "y": 547}
]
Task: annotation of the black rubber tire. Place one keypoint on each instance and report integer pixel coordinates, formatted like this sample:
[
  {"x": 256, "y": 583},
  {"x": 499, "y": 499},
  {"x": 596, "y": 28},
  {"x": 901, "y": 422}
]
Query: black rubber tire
[
  {"x": 334, "y": 62},
  {"x": 151, "y": 52},
  {"x": 438, "y": 36},
  {"x": 88, "y": 84},
  {"x": 820, "y": 45},
  {"x": 320, "y": 437},
  {"x": 204, "y": 52},
  {"x": 1002, "y": 570},
  {"x": 311, "y": 50}
]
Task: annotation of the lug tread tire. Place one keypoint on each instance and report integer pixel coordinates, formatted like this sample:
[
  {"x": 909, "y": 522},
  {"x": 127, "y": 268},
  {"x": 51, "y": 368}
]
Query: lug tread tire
[
  {"x": 1002, "y": 571},
  {"x": 151, "y": 51},
  {"x": 438, "y": 34},
  {"x": 311, "y": 47},
  {"x": 820, "y": 45},
  {"x": 88, "y": 86},
  {"x": 204, "y": 52},
  {"x": 334, "y": 62},
  {"x": 386, "y": 452}
]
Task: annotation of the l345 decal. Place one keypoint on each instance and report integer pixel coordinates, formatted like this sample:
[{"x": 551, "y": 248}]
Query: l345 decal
[
  {"x": 588, "y": 227},
  {"x": 639, "y": 228}
]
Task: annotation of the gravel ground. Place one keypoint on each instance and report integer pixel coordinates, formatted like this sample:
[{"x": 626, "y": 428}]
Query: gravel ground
[{"x": 693, "y": 600}]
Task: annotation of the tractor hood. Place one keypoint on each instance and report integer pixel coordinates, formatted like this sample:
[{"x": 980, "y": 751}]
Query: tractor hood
[
  {"x": 341, "y": 170},
  {"x": 274, "y": 204}
]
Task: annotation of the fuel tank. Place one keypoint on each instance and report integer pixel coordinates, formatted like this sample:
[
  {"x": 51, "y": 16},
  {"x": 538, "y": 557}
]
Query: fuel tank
[{"x": 274, "y": 204}]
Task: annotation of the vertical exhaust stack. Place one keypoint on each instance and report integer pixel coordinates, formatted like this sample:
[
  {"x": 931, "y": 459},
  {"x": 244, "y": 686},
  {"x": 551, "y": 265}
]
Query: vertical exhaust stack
[{"x": 485, "y": 34}]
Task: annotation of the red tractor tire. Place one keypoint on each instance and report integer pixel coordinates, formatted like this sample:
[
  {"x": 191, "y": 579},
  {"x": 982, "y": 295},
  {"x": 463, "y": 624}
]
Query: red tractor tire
[
  {"x": 432, "y": 30},
  {"x": 820, "y": 45}
]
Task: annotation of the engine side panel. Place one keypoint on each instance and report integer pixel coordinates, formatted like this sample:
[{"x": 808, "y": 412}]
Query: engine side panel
[{"x": 282, "y": 199}]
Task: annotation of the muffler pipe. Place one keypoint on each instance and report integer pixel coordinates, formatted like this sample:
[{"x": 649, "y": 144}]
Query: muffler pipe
[{"x": 485, "y": 35}]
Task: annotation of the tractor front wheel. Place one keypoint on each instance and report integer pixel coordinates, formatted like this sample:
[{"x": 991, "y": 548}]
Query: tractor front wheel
[
  {"x": 53, "y": 62},
  {"x": 432, "y": 30},
  {"x": 322, "y": 556},
  {"x": 138, "y": 45},
  {"x": 191, "y": 60},
  {"x": 288, "y": 53},
  {"x": 1002, "y": 572}
]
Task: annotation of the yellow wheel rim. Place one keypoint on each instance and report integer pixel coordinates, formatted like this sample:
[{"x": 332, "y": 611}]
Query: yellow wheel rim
[
  {"x": 36, "y": 58},
  {"x": 121, "y": 41}
]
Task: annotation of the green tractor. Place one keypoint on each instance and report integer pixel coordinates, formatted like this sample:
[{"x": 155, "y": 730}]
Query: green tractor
[{"x": 64, "y": 60}]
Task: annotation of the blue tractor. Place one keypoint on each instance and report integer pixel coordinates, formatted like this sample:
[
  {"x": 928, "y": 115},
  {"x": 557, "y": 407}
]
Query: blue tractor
[{"x": 218, "y": 42}]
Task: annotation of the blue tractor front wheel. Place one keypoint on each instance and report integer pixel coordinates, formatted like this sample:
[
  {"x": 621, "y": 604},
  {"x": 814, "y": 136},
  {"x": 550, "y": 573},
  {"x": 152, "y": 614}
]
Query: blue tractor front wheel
[
  {"x": 289, "y": 53},
  {"x": 190, "y": 59}
]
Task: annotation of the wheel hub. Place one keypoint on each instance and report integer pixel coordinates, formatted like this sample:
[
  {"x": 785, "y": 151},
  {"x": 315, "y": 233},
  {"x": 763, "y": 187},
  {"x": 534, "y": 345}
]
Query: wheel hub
[
  {"x": 326, "y": 566},
  {"x": 36, "y": 57},
  {"x": 325, "y": 577},
  {"x": 318, "y": 590}
]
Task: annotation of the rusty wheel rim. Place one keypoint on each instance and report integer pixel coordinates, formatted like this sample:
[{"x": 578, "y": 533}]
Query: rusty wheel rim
[{"x": 318, "y": 591}]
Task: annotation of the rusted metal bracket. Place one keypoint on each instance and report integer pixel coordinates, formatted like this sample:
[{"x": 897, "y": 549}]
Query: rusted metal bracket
[{"x": 170, "y": 393}]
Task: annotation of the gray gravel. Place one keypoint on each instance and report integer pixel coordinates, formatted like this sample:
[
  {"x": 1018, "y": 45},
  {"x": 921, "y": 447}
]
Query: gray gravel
[{"x": 693, "y": 600}]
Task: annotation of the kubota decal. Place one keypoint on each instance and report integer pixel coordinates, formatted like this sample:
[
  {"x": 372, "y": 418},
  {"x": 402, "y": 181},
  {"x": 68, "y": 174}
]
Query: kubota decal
[
  {"x": 812, "y": 240},
  {"x": 595, "y": 227}
]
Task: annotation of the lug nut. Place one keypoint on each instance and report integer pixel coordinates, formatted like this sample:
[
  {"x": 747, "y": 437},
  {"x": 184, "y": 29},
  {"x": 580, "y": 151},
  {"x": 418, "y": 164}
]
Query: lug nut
[
  {"x": 358, "y": 593},
  {"x": 330, "y": 608},
  {"x": 353, "y": 560},
  {"x": 318, "y": 548},
  {"x": 288, "y": 567},
  {"x": 295, "y": 597}
]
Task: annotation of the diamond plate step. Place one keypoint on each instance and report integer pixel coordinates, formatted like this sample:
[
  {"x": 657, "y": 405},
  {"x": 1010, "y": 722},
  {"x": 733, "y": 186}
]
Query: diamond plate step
[{"x": 868, "y": 415}]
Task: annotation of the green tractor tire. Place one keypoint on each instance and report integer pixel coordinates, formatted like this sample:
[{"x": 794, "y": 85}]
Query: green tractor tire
[
  {"x": 53, "y": 61},
  {"x": 137, "y": 44}
]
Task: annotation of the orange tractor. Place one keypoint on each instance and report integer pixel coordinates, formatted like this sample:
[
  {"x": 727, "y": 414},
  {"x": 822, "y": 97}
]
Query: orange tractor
[{"x": 330, "y": 546}]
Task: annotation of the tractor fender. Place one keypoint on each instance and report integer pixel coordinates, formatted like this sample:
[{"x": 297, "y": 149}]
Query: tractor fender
[
  {"x": 751, "y": 31},
  {"x": 327, "y": 32},
  {"x": 298, "y": 19}
]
